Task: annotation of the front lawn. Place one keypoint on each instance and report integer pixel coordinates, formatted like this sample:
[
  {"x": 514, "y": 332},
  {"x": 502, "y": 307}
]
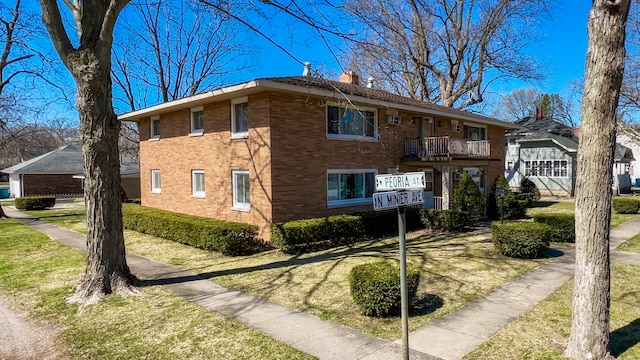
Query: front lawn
[
  {"x": 456, "y": 269},
  {"x": 542, "y": 333},
  {"x": 568, "y": 207},
  {"x": 37, "y": 273}
]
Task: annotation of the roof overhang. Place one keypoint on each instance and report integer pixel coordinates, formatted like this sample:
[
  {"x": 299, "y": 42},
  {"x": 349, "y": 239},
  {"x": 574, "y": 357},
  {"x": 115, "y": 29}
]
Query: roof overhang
[{"x": 258, "y": 85}]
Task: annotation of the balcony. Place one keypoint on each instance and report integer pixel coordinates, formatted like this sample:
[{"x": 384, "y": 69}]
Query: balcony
[{"x": 446, "y": 147}]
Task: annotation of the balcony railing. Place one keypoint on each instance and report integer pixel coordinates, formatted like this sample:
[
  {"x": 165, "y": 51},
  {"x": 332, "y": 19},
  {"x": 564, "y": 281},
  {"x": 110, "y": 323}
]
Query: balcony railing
[{"x": 446, "y": 146}]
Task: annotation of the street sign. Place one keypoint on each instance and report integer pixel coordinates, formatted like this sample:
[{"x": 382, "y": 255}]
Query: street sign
[
  {"x": 389, "y": 182},
  {"x": 394, "y": 199}
]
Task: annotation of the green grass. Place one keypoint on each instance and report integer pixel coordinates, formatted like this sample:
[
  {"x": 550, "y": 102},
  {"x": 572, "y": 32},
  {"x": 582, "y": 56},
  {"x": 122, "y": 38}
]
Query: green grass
[
  {"x": 632, "y": 245},
  {"x": 456, "y": 269},
  {"x": 36, "y": 274},
  {"x": 568, "y": 207},
  {"x": 542, "y": 333},
  {"x": 73, "y": 219}
]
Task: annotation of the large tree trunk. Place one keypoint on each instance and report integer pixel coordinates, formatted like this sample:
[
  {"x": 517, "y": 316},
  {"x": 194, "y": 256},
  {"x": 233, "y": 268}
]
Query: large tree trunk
[
  {"x": 90, "y": 65},
  {"x": 589, "y": 337},
  {"x": 107, "y": 269},
  {"x": 2, "y": 214}
]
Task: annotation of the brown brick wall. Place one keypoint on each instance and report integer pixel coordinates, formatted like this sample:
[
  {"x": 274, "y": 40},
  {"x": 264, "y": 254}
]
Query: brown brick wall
[
  {"x": 175, "y": 154},
  {"x": 51, "y": 184}
]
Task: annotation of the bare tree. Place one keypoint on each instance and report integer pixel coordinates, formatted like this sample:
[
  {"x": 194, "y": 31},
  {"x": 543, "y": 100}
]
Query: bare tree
[
  {"x": 89, "y": 62},
  {"x": 447, "y": 51},
  {"x": 173, "y": 49},
  {"x": 589, "y": 338},
  {"x": 518, "y": 104}
]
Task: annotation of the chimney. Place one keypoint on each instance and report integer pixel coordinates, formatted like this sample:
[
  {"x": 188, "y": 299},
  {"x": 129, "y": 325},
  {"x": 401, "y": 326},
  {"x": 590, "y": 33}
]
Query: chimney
[
  {"x": 370, "y": 82},
  {"x": 307, "y": 69},
  {"x": 350, "y": 78},
  {"x": 538, "y": 113}
]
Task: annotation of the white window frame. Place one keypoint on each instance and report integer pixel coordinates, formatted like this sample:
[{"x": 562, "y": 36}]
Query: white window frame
[
  {"x": 353, "y": 201},
  {"x": 351, "y": 136},
  {"x": 455, "y": 126},
  {"x": 156, "y": 183},
  {"x": 478, "y": 126},
  {"x": 237, "y": 204},
  {"x": 196, "y": 131},
  {"x": 152, "y": 133},
  {"x": 235, "y": 134},
  {"x": 540, "y": 168},
  {"x": 195, "y": 192}
]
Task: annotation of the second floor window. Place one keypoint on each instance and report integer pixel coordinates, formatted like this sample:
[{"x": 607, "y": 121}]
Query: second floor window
[
  {"x": 240, "y": 117},
  {"x": 351, "y": 123},
  {"x": 155, "y": 127},
  {"x": 197, "y": 120},
  {"x": 474, "y": 133}
]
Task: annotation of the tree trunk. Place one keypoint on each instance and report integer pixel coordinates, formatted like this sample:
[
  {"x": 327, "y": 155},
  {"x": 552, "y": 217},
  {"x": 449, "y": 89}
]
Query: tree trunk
[
  {"x": 2, "y": 214},
  {"x": 107, "y": 269},
  {"x": 589, "y": 338}
]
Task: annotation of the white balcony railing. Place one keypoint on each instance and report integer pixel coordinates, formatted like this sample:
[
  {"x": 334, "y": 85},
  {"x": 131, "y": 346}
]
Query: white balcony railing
[{"x": 446, "y": 146}]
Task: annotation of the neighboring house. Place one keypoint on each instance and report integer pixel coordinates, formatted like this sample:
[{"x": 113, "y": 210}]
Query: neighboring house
[
  {"x": 280, "y": 149},
  {"x": 129, "y": 176},
  {"x": 631, "y": 139},
  {"x": 545, "y": 151},
  {"x": 48, "y": 174}
]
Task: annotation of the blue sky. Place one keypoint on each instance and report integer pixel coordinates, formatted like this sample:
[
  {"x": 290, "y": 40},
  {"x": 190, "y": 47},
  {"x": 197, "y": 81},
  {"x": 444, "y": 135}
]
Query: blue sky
[{"x": 563, "y": 51}]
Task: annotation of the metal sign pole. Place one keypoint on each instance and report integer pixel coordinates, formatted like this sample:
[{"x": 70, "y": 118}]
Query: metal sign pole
[{"x": 404, "y": 309}]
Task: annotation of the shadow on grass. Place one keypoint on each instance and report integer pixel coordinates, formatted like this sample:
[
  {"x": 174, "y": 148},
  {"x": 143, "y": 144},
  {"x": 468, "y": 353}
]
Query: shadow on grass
[
  {"x": 541, "y": 204},
  {"x": 625, "y": 338},
  {"x": 426, "y": 305}
]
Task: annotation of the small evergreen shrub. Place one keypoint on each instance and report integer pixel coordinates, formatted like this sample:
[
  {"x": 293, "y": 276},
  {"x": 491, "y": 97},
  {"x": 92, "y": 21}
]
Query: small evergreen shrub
[
  {"x": 626, "y": 205},
  {"x": 35, "y": 202},
  {"x": 515, "y": 204},
  {"x": 525, "y": 240},
  {"x": 467, "y": 196},
  {"x": 448, "y": 220},
  {"x": 563, "y": 226},
  {"x": 229, "y": 238},
  {"x": 529, "y": 190},
  {"x": 375, "y": 287}
]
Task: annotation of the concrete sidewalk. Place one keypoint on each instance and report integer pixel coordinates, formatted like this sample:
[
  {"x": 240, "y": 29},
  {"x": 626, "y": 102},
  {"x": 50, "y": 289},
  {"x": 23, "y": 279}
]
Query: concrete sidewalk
[{"x": 450, "y": 337}]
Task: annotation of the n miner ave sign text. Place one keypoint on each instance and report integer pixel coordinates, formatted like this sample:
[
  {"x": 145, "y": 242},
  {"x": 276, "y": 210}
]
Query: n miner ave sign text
[{"x": 390, "y": 200}]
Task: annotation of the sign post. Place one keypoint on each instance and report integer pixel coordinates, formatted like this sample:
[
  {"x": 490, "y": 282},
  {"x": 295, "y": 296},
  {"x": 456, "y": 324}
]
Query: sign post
[{"x": 402, "y": 189}]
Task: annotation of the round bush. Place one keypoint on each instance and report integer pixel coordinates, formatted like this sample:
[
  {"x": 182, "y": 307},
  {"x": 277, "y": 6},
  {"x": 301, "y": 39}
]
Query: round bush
[
  {"x": 525, "y": 240},
  {"x": 375, "y": 287},
  {"x": 563, "y": 226}
]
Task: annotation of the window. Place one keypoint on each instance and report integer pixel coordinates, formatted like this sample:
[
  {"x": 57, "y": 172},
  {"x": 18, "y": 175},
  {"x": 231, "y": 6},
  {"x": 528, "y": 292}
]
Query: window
[
  {"x": 197, "y": 183},
  {"x": 475, "y": 133},
  {"x": 197, "y": 120},
  {"x": 241, "y": 192},
  {"x": 351, "y": 123},
  {"x": 156, "y": 185},
  {"x": 477, "y": 175},
  {"x": 350, "y": 187},
  {"x": 240, "y": 118},
  {"x": 155, "y": 127},
  {"x": 546, "y": 168}
]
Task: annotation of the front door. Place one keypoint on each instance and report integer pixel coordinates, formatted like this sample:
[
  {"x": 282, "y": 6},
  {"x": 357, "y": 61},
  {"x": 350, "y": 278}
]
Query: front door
[{"x": 428, "y": 191}]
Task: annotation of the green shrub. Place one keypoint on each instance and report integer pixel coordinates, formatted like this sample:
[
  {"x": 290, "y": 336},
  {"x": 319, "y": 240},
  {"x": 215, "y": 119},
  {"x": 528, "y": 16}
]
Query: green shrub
[
  {"x": 563, "y": 226},
  {"x": 229, "y": 238},
  {"x": 449, "y": 220},
  {"x": 529, "y": 190},
  {"x": 515, "y": 204},
  {"x": 35, "y": 202},
  {"x": 526, "y": 240},
  {"x": 626, "y": 205},
  {"x": 467, "y": 196},
  {"x": 375, "y": 287},
  {"x": 383, "y": 223},
  {"x": 302, "y": 236}
]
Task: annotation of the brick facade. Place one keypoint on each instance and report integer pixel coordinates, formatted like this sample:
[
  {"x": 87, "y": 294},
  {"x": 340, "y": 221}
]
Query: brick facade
[
  {"x": 287, "y": 154},
  {"x": 51, "y": 184}
]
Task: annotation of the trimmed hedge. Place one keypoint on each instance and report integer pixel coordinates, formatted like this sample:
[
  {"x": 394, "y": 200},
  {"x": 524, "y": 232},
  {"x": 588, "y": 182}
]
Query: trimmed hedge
[
  {"x": 563, "y": 226},
  {"x": 449, "y": 220},
  {"x": 626, "y": 205},
  {"x": 375, "y": 287},
  {"x": 229, "y": 238},
  {"x": 302, "y": 236},
  {"x": 35, "y": 202},
  {"x": 526, "y": 240}
]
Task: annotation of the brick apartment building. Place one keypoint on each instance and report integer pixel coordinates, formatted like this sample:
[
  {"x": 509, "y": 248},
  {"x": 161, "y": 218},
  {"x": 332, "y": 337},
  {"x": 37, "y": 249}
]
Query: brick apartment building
[{"x": 287, "y": 148}]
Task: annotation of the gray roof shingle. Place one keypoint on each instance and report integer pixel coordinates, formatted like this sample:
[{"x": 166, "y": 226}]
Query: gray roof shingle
[{"x": 63, "y": 160}]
